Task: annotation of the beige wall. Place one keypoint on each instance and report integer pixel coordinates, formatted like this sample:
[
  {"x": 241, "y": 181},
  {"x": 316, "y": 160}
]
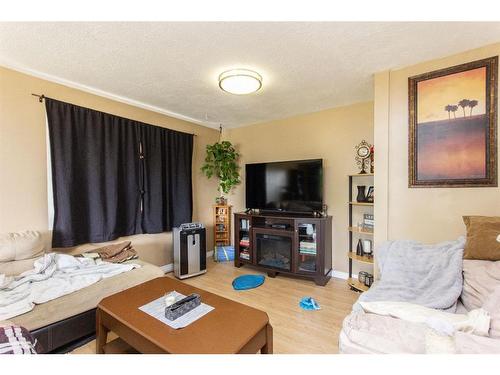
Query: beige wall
[
  {"x": 23, "y": 165},
  {"x": 425, "y": 214},
  {"x": 330, "y": 135}
]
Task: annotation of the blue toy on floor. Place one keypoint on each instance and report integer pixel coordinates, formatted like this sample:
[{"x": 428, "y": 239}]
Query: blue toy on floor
[
  {"x": 309, "y": 303},
  {"x": 248, "y": 282}
]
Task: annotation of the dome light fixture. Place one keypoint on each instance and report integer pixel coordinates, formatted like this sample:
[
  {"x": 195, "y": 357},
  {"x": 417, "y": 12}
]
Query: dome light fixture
[{"x": 240, "y": 81}]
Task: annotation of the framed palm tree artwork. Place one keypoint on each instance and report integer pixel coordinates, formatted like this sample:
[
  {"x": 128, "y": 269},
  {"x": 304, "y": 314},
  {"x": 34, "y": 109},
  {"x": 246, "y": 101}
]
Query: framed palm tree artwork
[{"x": 453, "y": 126}]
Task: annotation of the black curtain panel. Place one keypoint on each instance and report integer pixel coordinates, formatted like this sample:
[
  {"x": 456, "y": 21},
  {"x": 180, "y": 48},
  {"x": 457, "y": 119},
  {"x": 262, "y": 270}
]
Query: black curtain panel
[
  {"x": 95, "y": 174},
  {"x": 114, "y": 176},
  {"x": 167, "y": 200}
]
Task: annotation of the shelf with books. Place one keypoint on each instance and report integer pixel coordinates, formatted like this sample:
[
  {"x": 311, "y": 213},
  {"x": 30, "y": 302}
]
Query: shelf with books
[
  {"x": 222, "y": 225},
  {"x": 361, "y": 227},
  {"x": 243, "y": 237},
  {"x": 307, "y": 247}
]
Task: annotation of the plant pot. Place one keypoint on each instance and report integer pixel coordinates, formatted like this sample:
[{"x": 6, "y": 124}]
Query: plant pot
[
  {"x": 361, "y": 194},
  {"x": 221, "y": 201}
]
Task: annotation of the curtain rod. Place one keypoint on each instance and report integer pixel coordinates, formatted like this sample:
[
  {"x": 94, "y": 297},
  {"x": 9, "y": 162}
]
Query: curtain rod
[{"x": 41, "y": 97}]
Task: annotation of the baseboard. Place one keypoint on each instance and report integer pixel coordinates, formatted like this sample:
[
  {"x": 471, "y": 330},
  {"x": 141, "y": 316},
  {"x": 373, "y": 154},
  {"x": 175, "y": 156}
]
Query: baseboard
[
  {"x": 342, "y": 275},
  {"x": 167, "y": 268}
]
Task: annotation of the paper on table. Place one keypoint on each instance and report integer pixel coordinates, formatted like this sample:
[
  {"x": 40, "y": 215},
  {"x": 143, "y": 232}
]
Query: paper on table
[{"x": 156, "y": 309}]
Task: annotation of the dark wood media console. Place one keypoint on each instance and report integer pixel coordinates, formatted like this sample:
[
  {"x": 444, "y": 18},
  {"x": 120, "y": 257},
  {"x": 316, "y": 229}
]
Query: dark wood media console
[{"x": 283, "y": 244}]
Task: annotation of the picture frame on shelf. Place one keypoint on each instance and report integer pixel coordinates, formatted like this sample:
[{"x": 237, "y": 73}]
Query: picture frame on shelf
[
  {"x": 370, "y": 195},
  {"x": 367, "y": 247},
  {"x": 368, "y": 222}
]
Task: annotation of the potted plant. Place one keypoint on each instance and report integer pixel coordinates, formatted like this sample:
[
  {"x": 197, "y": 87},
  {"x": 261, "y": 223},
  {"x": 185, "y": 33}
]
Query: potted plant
[{"x": 221, "y": 162}]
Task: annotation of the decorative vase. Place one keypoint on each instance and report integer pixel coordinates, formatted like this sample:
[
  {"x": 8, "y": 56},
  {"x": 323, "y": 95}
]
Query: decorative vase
[
  {"x": 362, "y": 276},
  {"x": 359, "y": 248},
  {"x": 361, "y": 193},
  {"x": 221, "y": 201},
  {"x": 368, "y": 280}
]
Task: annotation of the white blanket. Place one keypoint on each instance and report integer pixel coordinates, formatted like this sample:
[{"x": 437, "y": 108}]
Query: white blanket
[
  {"x": 475, "y": 321},
  {"x": 53, "y": 276}
]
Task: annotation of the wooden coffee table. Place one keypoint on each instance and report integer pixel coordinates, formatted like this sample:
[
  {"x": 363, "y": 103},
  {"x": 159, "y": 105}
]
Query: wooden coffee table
[{"x": 230, "y": 328}]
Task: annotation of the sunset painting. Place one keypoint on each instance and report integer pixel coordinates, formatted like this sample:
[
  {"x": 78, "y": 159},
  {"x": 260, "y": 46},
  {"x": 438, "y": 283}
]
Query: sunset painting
[{"x": 451, "y": 129}]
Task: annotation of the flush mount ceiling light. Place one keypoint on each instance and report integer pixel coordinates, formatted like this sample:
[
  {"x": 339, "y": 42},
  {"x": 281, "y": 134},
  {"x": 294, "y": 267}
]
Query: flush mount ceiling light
[{"x": 240, "y": 81}]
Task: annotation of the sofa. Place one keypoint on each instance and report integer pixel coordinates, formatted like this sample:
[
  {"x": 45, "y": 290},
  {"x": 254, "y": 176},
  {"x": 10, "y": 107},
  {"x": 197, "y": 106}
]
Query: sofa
[
  {"x": 68, "y": 321},
  {"x": 368, "y": 333}
]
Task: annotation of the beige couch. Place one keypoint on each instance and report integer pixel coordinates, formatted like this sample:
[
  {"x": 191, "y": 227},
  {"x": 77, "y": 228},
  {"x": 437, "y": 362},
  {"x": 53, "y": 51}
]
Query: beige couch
[
  {"x": 366, "y": 333},
  {"x": 16, "y": 257},
  {"x": 87, "y": 298}
]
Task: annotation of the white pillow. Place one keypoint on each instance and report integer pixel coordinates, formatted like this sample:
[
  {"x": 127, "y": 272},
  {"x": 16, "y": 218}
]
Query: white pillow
[
  {"x": 492, "y": 305},
  {"x": 481, "y": 278},
  {"x": 482, "y": 289},
  {"x": 21, "y": 245}
]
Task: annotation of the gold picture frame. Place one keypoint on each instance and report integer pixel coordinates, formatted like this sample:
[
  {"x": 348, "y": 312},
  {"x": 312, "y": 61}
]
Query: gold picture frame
[{"x": 459, "y": 151}]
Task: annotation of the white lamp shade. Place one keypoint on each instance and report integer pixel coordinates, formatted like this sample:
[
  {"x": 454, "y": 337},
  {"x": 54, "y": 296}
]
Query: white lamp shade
[{"x": 240, "y": 81}]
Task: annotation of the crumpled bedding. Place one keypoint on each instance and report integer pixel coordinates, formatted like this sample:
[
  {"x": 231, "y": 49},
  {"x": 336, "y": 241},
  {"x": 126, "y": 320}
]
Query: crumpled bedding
[
  {"x": 475, "y": 321},
  {"x": 372, "y": 333},
  {"x": 53, "y": 276},
  {"x": 113, "y": 253},
  {"x": 377, "y": 334}
]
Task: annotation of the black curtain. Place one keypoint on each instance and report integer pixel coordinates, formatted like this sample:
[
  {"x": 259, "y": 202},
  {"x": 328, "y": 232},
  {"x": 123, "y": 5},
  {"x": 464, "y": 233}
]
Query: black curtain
[
  {"x": 167, "y": 178},
  {"x": 101, "y": 182}
]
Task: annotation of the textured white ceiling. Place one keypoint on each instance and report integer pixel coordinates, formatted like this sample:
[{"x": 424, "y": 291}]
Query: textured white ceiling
[{"x": 173, "y": 66}]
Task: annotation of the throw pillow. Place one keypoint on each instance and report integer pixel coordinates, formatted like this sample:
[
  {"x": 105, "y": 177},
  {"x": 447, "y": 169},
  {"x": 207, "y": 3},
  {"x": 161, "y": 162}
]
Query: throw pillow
[
  {"x": 483, "y": 237},
  {"x": 15, "y": 339},
  {"x": 481, "y": 279},
  {"x": 492, "y": 305},
  {"x": 21, "y": 245}
]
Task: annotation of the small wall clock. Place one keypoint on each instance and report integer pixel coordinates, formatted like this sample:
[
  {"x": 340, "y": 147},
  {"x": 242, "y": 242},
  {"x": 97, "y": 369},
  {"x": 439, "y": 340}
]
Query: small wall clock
[{"x": 363, "y": 151}]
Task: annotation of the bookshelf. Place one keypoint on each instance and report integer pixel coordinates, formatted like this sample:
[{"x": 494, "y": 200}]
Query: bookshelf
[
  {"x": 359, "y": 232},
  {"x": 222, "y": 225}
]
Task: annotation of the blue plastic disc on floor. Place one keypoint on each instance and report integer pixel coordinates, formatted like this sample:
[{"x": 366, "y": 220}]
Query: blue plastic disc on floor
[{"x": 248, "y": 282}]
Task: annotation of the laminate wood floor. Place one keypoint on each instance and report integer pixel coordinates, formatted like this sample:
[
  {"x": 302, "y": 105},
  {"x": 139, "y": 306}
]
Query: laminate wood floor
[{"x": 295, "y": 330}]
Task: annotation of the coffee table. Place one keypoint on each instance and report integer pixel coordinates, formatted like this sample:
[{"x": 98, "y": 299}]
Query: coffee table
[{"x": 230, "y": 328}]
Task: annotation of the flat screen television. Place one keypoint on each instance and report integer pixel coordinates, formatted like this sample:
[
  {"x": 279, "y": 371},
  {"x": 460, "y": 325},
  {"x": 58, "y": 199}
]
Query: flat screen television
[{"x": 291, "y": 186}]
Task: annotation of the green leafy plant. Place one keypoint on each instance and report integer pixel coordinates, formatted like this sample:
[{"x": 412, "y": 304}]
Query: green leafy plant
[{"x": 221, "y": 162}]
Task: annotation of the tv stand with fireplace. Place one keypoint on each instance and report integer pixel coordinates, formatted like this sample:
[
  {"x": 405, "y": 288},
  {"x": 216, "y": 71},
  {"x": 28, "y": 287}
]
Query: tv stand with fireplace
[{"x": 281, "y": 243}]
